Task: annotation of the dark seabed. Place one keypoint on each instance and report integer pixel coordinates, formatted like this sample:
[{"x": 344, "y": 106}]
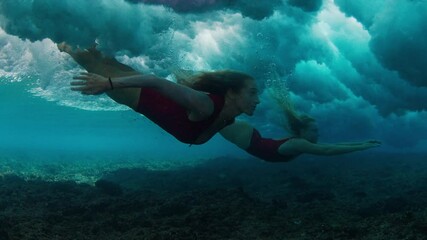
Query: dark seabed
[{"x": 376, "y": 196}]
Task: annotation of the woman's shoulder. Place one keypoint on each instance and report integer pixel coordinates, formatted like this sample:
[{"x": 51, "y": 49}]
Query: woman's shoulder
[
  {"x": 216, "y": 98},
  {"x": 217, "y": 101}
]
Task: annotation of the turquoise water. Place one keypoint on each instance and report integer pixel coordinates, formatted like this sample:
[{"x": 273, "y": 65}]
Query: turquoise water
[
  {"x": 336, "y": 63},
  {"x": 33, "y": 125},
  {"x": 332, "y": 59},
  {"x": 341, "y": 62}
]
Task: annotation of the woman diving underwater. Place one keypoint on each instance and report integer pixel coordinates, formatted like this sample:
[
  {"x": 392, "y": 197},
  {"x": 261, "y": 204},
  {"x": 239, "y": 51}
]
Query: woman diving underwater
[{"x": 196, "y": 108}]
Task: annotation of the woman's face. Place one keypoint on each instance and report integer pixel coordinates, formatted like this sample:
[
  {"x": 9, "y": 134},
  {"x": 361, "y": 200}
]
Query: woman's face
[
  {"x": 247, "y": 99},
  {"x": 310, "y": 133}
]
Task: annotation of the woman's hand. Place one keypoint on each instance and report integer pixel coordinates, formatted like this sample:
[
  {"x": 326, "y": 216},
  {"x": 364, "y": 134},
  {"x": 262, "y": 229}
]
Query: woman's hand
[{"x": 90, "y": 84}]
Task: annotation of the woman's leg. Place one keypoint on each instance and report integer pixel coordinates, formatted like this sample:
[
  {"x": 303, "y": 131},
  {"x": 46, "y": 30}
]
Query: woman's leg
[{"x": 95, "y": 62}]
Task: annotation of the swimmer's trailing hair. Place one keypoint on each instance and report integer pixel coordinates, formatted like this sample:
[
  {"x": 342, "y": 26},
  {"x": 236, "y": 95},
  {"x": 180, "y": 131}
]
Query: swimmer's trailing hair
[
  {"x": 295, "y": 122},
  {"x": 217, "y": 82}
]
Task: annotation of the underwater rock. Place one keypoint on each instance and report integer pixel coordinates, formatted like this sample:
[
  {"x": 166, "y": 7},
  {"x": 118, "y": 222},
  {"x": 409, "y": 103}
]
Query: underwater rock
[
  {"x": 298, "y": 183},
  {"x": 172, "y": 208},
  {"x": 109, "y": 188},
  {"x": 387, "y": 206},
  {"x": 65, "y": 187},
  {"x": 4, "y": 235},
  {"x": 395, "y": 204},
  {"x": 369, "y": 211},
  {"x": 12, "y": 179},
  {"x": 421, "y": 227},
  {"x": 360, "y": 194},
  {"x": 4, "y": 224},
  {"x": 279, "y": 202},
  {"x": 315, "y": 195}
]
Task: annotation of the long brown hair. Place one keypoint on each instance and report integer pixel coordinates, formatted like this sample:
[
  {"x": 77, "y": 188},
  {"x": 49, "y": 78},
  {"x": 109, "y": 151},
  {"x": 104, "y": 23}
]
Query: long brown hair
[
  {"x": 217, "y": 82},
  {"x": 295, "y": 122}
]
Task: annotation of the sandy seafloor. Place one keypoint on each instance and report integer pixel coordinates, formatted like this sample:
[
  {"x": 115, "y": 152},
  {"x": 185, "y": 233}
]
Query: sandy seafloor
[{"x": 358, "y": 196}]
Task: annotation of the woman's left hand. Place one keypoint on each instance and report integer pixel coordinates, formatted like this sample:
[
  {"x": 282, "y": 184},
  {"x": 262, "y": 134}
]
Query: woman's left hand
[{"x": 90, "y": 84}]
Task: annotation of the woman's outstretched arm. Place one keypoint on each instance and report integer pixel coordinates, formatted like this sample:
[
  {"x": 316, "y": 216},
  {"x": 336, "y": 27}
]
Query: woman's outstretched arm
[
  {"x": 197, "y": 102},
  {"x": 300, "y": 145},
  {"x": 247, "y": 138}
]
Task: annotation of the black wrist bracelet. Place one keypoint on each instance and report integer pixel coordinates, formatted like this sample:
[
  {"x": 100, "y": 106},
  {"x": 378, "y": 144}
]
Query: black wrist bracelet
[{"x": 111, "y": 83}]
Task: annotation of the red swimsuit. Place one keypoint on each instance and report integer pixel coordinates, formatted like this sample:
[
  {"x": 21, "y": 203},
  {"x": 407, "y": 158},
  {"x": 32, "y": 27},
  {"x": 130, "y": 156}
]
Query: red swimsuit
[
  {"x": 173, "y": 118},
  {"x": 267, "y": 149}
]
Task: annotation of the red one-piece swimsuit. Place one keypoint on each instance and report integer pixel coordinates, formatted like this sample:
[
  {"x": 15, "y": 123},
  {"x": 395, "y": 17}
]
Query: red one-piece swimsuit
[{"x": 173, "y": 118}]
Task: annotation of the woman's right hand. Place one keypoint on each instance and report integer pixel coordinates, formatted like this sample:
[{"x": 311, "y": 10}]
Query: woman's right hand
[{"x": 90, "y": 84}]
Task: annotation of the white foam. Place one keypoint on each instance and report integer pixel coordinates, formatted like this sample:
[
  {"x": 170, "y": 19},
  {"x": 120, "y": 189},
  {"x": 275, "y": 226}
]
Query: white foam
[
  {"x": 15, "y": 58},
  {"x": 47, "y": 73}
]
